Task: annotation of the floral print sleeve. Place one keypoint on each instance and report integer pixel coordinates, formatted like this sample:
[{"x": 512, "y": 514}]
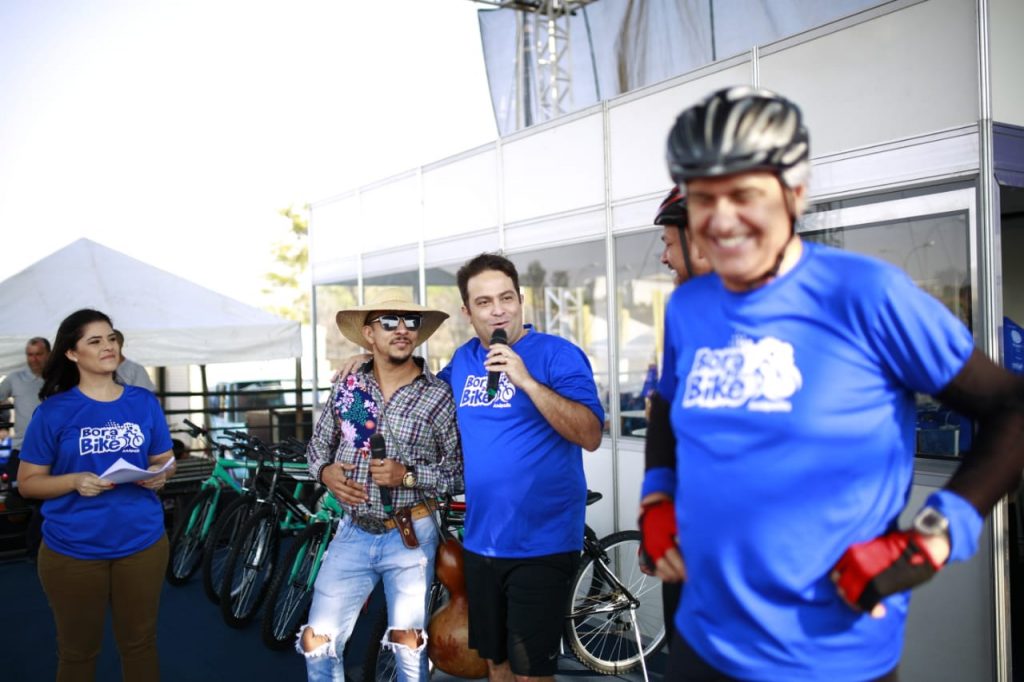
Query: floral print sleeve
[{"x": 419, "y": 428}]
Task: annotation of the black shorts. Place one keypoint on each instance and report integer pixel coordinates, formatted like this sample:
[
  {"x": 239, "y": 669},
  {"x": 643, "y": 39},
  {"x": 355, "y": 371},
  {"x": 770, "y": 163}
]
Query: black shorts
[{"x": 517, "y": 608}]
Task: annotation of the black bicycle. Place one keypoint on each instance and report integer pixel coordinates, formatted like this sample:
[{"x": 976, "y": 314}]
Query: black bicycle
[
  {"x": 273, "y": 502},
  {"x": 196, "y": 524},
  {"x": 291, "y": 589},
  {"x": 614, "y": 620}
]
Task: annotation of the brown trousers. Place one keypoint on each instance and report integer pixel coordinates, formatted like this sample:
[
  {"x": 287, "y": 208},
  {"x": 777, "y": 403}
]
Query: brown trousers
[{"x": 79, "y": 592}]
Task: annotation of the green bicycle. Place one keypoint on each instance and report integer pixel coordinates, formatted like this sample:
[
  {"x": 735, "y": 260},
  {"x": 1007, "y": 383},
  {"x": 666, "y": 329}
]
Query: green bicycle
[
  {"x": 291, "y": 588},
  {"x": 205, "y": 534},
  {"x": 193, "y": 530},
  {"x": 275, "y": 508}
]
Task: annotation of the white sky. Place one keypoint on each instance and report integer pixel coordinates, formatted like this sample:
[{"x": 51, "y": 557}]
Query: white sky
[{"x": 173, "y": 130}]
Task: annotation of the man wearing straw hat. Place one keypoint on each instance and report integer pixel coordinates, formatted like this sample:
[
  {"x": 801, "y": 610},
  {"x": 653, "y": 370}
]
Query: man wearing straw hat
[{"x": 386, "y": 533}]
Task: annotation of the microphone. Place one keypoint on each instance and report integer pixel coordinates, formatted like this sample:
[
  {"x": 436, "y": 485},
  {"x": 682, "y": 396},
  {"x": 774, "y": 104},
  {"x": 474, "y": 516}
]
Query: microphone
[
  {"x": 499, "y": 336},
  {"x": 378, "y": 450}
]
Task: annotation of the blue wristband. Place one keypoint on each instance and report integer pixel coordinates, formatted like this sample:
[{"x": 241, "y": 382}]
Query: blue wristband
[
  {"x": 659, "y": 480},
  {"x": 965, "y": 523}
]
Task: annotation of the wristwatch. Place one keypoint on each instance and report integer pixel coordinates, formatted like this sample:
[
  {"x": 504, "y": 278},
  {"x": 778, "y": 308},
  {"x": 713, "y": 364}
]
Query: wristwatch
[
  {"x": 930, "y": 521},
  {"x": 409, "y": 479}
]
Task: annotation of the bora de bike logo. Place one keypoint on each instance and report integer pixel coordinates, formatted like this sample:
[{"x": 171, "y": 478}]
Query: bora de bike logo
[
  {"x": 761, "y": 375},
  {"x": 474, "y": 393},
  {"x": 111, "y": 438}
]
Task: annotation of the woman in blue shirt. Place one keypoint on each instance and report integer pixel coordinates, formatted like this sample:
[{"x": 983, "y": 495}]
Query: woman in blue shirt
[{"x": 102, "y": 543}]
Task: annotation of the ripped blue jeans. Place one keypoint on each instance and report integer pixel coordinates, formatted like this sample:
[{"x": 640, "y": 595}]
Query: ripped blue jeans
[{"x": 355, "y": 561}]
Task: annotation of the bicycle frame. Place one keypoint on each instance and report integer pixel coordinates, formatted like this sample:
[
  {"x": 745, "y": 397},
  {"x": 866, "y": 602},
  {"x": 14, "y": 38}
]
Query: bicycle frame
[
  {"x": 592, "y": 548},
  {"x": 620, "y": 596}
]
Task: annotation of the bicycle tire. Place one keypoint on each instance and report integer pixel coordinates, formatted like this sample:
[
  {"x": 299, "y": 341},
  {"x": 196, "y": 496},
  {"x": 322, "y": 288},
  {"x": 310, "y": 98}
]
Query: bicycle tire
[
  {"x": 249, "y": 568},
  {"x": 382, "y": 661},
  {"x": 186, "y": 549},
  {"x": 598, "y": 624},
  {"x": 291, "y": 589},
  {"x": 218, "y": 544}
]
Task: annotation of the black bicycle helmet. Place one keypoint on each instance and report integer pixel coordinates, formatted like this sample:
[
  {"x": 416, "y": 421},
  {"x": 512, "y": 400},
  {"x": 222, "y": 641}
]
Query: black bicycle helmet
[
  {"x": 739, "y": 129},
  {"x": 672, "y": 210}
]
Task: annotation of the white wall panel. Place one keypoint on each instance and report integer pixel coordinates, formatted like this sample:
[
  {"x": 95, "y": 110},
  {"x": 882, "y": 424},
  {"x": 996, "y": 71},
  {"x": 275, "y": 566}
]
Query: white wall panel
[
  {"x": 597, "y": 466},
  {"x": 637, "y": 213},
  {"x": 402, "y": 259},
  {"x": 563, "y": 228},
  {"x": 1006, "y": 18},
  {"x": 639, "y": 128},
  {"x": 629, "y": 476},
  {"x": 950, "y": 635},
  {"x": 391, "y": 214},
  {"x": 332, "y": 235},
  {"x": 459, "y": 249},
  {"x": 461, "y": 196},
  {"x": 339, "y": 269},
  {"x": 903, "y": 74},
  {"x": 931, "y": 157},
  {"x": 554, "y": 170}
]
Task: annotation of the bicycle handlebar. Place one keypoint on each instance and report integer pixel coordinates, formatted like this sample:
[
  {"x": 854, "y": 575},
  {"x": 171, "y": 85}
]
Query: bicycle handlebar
[{"x": 194, "y": 430}]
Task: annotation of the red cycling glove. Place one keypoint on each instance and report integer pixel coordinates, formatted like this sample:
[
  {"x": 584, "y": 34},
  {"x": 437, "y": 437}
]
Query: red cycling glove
[
  {"x": 891, "y": 563},
  {"x": 657, "y": 530}
]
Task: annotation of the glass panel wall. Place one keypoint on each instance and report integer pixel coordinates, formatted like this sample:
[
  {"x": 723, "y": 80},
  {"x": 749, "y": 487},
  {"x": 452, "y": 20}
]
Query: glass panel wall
[
  {"x": 443, "y": 294},
  {"x": 643, "y": 286},
  {"x": 330, "y": 298},
  {"x": 565, "y": 293}
]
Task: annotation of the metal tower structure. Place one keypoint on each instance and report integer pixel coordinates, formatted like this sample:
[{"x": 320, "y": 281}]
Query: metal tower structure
[
  {"x": 564, "y": 311},
  {"x": 543, "y": 75}
]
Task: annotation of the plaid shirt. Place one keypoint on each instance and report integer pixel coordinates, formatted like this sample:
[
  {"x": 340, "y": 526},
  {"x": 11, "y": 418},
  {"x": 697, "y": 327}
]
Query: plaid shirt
[{"x": 418, "y": 426}]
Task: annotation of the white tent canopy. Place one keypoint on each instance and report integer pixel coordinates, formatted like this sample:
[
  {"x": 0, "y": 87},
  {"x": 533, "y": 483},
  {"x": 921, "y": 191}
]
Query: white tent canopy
[{"x": 166, "y": 320}]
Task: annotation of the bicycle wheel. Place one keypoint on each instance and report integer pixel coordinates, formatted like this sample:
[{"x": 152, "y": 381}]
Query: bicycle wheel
[
  {"x": 249, "y": 568},
  {"x": 380, "y": 661},
  {"x": 612, "y": 601},
  {"x": 291, "y": 590},
  {"x": 186, "y": 550},
  {"x": 218, "y": 544}
]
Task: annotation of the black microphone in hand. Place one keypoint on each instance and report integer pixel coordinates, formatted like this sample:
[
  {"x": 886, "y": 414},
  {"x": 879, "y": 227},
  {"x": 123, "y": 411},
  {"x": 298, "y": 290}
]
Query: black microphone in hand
[
  {"x": 499, "y": 336},
  {"x": 378, "y": 450}
]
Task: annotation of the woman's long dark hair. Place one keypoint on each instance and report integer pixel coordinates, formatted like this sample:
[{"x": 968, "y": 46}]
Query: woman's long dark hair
[{"x": 60, "y": 374}]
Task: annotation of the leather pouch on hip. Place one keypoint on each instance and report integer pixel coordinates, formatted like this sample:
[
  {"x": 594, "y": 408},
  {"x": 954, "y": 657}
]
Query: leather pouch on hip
[{"x": 403, "y": 519}]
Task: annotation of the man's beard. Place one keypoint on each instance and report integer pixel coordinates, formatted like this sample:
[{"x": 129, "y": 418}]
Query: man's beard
[{"x": 398, "y": 360}]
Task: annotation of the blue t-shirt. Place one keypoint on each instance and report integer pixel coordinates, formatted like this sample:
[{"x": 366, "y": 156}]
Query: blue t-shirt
[
  {"x": 793, "y": 411},
  {"x": 70, "y": 433},
  {"x": 525, "y": 488}
]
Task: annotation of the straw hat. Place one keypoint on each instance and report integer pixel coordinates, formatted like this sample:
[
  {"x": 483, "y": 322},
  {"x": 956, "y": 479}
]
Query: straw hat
[{"x": 390, "y": 299}]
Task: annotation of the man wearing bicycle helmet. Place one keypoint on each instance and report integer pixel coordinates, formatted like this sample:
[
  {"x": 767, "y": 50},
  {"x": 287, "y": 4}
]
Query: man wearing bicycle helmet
[
  {"x": 685, "y": 261},
  {"x": 387, "y": 487},
  {"x": 789, "y": 418},
  {"x": 680, "y": 255}
]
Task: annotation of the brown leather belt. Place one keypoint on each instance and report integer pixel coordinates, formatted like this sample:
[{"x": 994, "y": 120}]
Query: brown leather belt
[{"x": 374, "y": 526}]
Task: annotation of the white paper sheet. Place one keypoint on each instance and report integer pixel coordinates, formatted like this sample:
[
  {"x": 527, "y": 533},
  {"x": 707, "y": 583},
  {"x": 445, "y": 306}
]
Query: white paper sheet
[{"x": 123, "y": 472}]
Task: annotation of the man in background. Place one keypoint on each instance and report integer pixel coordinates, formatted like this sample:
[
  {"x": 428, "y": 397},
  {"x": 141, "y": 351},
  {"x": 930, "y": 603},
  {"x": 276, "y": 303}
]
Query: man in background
[
  {"x": 22, "y": 387},
  {"x": 685, "y": 261},
  {"x": 129, "y": 372}
]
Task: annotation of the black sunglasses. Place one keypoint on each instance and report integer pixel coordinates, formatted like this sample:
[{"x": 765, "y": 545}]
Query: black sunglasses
[{"x": 389, "y": 323}]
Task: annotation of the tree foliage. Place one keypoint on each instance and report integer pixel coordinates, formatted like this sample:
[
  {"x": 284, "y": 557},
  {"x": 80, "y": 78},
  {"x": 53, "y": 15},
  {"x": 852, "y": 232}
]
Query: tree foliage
[{"x": 288, "y": 282}]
